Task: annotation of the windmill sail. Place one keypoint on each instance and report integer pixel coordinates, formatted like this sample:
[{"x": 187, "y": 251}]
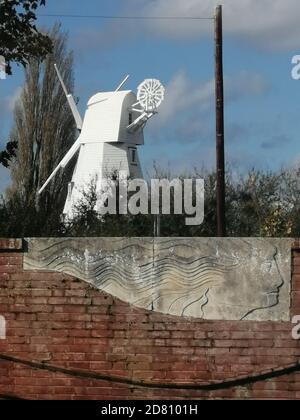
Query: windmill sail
[
  {"x": 74, "y": 149},
  {"x": 71, "y": 101},
  {"x": 122, "y": 83},
  {"x": 63, "y": 163}
]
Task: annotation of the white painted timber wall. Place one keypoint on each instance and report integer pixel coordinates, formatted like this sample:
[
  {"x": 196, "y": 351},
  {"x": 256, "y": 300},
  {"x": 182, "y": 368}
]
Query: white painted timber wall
[
  {"x": 105, "y": 145},
  {"x": 96, "y": 162}
]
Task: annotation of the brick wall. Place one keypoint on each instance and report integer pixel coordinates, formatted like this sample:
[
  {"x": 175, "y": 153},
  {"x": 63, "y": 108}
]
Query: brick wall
[{"x": 66, "y": 340}]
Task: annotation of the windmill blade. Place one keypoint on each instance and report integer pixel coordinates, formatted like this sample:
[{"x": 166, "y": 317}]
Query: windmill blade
[
  {"x": 48, "y": 180},
  {"x": 75, "y": 112},
  {"x": 122, "y": 83},
  {"x": 63, "y": 163},
  {"x": 71, "y": 101}
]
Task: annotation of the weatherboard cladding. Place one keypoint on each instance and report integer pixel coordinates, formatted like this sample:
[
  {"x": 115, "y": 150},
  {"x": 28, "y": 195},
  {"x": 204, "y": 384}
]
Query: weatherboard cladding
[{"x": 97, "y": 161}]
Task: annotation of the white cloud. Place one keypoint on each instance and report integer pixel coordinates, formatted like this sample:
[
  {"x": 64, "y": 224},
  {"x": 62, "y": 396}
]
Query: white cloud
[
  {"x": 4, "y": 179},
  {"x": 273, "y": 24},
  {"x": 13, "y": 98},
  {"x": 245, "y": 84},
  {"x": 192, "y": 104},
  {"x": 183, "y": 95},
  {"x": 7, "y": 104}
]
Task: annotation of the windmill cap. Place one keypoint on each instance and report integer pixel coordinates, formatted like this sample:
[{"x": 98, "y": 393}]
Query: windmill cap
[{"x": 105, "y": 96}]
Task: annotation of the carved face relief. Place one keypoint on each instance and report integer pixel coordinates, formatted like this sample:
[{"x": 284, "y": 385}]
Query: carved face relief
[
  {"x": 205, "y": 278},
  {"x": 253, "y": 284}
]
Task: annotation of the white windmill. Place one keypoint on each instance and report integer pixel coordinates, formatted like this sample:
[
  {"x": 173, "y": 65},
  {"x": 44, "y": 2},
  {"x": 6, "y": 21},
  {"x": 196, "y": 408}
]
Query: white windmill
[{"x": 109, "y": 135}]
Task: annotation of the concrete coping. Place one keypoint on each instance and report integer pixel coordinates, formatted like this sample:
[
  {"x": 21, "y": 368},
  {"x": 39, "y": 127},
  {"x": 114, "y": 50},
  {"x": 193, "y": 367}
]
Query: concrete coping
[
  {"x": 11, "y": 244},
  {"x": 14, "y": 244}
]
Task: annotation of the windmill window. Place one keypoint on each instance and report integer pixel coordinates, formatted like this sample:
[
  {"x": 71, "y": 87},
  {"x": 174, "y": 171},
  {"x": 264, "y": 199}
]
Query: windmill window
[
  {"x": 130, "y": 118},
  {"x": 70, "y": 189},
  {"x": 133, "y": 156}
]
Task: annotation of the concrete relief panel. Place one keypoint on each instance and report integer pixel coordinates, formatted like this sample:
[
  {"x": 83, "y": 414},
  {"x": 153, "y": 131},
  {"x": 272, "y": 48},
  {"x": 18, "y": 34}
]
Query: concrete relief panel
[
  {"x": 231, "y": 279},
  {"x": 213, "y": 279}
]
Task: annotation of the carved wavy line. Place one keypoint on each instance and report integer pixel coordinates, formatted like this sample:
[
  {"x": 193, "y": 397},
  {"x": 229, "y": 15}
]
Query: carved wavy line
[
  {"x": 173, "y": 265},
  {"x": 184, "y": 276},
  {"x": 136, "y": 278},
  {"x": 193, "y": 303},
  {"x": 185, "y": 280},
  {"x": 120, "y": 282},
  {"x": 58, "y": 250},
  {"x": 137, "y": 272},
  {"x": 145, "y": 289},
  {"x": 173, "y": 292},
  {"x": 184, "y": 268}
]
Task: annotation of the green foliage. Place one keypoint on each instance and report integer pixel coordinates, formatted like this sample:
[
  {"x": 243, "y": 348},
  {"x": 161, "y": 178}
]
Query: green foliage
[
  {"x": 20, "y": 42},
  {"x": 8, "y": 154},
  {"x": 258, "y": 204},
  {"x": 20, "y": 39}
]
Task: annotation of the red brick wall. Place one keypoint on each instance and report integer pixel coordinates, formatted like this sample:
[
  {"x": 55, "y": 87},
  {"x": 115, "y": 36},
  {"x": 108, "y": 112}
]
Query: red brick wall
[{"x": 66, "y": 340}]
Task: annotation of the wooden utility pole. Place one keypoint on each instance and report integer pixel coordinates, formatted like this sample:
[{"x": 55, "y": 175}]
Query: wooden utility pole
[
  {"x": 157, "y": 226},
  {"x": 221, "y": 219}
]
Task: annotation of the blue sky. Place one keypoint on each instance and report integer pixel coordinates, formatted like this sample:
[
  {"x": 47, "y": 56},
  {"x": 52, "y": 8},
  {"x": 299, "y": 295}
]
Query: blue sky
[{"x": 262, "y": 99}]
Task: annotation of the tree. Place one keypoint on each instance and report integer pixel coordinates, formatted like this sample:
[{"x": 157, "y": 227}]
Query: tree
[
  {"x": 44, "y": 130},
  {"x": 8, "y": 154},
  {"x": 257, "y": 204},
  {"x": 20, "y": 39}
]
